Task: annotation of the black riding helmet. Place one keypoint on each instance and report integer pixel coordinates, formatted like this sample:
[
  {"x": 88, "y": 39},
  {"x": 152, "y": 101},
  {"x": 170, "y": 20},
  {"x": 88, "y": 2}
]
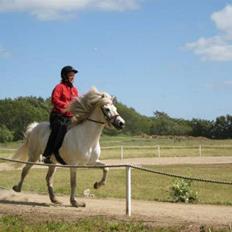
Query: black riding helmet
[{"x": 65, "y": 70}]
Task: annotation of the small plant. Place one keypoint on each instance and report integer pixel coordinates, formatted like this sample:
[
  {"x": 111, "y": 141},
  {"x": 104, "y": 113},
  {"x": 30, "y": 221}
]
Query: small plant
[{"x": 181, "y": 191}]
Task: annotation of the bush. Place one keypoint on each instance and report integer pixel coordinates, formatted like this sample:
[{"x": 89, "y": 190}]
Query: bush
[
  {"x": 5, "y": 134},
  {"x": 181, "y": 191}
]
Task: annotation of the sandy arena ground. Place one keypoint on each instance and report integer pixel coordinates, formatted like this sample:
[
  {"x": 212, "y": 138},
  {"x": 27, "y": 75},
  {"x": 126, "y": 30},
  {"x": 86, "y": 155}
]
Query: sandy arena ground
[{"x": 38, "y": 207}]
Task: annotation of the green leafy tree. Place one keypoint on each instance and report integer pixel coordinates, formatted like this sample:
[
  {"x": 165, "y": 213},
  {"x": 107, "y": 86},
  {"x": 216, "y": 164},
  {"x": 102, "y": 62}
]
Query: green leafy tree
[
  {"x": 222, "y": 127},
  {"x": 163, "y": 124},
  {"x": 5, "y": 134},
  {"x": 17, "y": 113},
  {"x": 201, "y": 127}
]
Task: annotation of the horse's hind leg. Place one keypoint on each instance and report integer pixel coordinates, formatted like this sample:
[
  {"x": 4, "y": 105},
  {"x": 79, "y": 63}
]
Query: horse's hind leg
[
  {"x": 49, "y": 179},
  {"x": 33, "y": 157},
  {"x": 104, "y": 176},
  {"x": 18, "y": 187}
]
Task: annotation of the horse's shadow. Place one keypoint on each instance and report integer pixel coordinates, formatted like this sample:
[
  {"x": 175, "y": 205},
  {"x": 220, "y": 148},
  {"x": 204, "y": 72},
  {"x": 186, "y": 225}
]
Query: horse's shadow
[
  {"x": 32, "y": 203},
  {"x": 27, "y": 203}
]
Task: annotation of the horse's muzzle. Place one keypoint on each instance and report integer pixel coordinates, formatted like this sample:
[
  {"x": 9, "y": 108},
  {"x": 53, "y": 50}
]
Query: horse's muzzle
[{"x": 119, "y": 123}]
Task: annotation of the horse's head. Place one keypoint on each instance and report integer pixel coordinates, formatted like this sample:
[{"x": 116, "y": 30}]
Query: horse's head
[
  {"x": 110, "y": 112},
  {"x": 98, "y": 107}
]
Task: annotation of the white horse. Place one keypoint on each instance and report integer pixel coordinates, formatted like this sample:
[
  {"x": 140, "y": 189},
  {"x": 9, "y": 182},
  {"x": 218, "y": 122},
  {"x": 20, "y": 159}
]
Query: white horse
[{"x": 92, "y": 112}]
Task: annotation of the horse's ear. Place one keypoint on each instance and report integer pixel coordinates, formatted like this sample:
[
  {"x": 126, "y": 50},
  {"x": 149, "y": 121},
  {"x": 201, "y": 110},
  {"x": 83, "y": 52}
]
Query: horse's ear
[{"x": 114, "y": 100}]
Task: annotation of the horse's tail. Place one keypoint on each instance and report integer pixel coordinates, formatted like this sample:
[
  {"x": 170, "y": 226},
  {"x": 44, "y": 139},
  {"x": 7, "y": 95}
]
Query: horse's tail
[{"x": 22, "y": 152}]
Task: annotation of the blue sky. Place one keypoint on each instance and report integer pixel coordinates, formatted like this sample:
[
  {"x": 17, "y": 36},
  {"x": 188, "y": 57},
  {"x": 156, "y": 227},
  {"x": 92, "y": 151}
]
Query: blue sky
[{"x": 168, "y": 55}]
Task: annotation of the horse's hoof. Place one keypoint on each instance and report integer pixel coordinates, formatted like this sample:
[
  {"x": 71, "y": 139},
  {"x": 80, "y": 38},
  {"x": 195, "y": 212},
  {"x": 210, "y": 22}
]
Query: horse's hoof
[
  {"x": 56, "y": 202},
  {"x": 77, "y": 204},
  {"x": 16, "y": 189},
  {"x": 96, "y": 185}
]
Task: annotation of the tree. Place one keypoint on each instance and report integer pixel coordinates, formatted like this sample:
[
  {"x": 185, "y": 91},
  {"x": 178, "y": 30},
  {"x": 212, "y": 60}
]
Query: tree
[
  {"x": 163, "y": 124},
  {"x": 222, "y": 127},
  {"x": 5, "y": 134},
  {"x": 17, "y": 113},
  {"x": 201, "y": 127}
]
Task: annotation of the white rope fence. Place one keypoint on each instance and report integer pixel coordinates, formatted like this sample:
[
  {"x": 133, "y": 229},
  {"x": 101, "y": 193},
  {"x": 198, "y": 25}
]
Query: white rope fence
[
  {"x": 128, "y": 168},
  {"x": 157, "y": 150}
]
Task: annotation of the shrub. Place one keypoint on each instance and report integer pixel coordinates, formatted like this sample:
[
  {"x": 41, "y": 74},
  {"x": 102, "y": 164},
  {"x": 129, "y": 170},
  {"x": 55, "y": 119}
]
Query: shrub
[
  {"x": 181, "y": 191},
  {"x": 5, "y": 134}
]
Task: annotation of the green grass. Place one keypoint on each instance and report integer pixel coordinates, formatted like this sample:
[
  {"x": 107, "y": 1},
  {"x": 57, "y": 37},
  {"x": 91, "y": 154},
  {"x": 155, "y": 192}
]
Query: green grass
[
  {"x": 145, "y": 186},
  {"x": 160, "y": 140},
  {"x": 115, "y": 153},
  {"x": 96, "y": 224},
  {"x": 89, "y": 224},
  {"x": 138, "y": 152},
  {"x": 107, "y": 141},
  {"x": 6, "y": 154}
]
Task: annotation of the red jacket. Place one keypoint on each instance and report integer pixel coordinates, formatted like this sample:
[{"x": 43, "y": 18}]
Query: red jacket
[{"x": 62, "y": 95}]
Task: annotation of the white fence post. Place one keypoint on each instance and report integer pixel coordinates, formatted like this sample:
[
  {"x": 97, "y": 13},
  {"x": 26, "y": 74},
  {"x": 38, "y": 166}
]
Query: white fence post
[
  {"x": 200, "y": 150},
  {"x": 122, "y": 153},
  {"x": 128, "y": 191},
  {"x": 158, "y": 150}
]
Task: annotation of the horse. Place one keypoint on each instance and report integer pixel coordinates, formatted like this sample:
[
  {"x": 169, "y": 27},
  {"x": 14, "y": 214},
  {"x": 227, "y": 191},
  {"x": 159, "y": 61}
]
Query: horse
[{"x": 91, "y": 113}]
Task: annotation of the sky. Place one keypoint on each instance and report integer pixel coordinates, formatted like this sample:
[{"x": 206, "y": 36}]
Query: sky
[{"x": 173, "y": 56}]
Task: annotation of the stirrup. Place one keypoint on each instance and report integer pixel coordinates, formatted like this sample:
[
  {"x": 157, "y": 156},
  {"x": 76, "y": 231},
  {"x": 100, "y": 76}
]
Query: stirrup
[{"x": 47, "y": 160}]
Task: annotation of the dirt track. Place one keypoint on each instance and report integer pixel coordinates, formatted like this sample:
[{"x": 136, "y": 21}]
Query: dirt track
[
  {"x": 38, "y": 207},
  {"x": 155, "y": 161},
  {"x": 174, "y": 160}
]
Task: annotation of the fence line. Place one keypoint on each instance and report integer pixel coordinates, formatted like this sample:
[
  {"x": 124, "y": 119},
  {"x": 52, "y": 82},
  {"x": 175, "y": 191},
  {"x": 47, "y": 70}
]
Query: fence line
[
  {"x": 147, "y": 146},
  {"x": 128, "y": 168},
  {"x": 168, "y": 146},
  {"x": 7, "y": 149},
  {"x": 157, "y": 148}
]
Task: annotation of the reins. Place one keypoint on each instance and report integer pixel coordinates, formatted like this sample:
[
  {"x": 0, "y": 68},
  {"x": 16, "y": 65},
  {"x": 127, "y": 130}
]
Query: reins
[
  {"x": 112, "y": 120},
  {"x": 92, "y": 120}
]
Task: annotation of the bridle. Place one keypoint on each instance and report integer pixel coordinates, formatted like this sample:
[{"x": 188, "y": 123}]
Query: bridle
[
  {"x": 98, "y": 122},
  {"x": 108, "y": 119}
]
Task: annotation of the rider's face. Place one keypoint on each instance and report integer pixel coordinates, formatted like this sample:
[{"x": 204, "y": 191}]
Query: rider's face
[{"x": 71, "y": 76}]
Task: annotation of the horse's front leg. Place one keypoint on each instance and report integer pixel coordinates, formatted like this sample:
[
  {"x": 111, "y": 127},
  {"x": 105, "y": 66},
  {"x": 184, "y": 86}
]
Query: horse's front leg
[
  {"x": 104, "y": 176},
  {"x": 73, "y": 182}
]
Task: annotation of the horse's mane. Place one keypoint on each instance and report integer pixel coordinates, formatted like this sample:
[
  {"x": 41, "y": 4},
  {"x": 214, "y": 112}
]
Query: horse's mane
[{"x": 81, "y": 107}]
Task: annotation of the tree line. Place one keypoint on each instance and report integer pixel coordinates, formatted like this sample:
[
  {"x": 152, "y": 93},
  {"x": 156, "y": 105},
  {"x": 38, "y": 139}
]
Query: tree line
[{"x": 16, "y": 114}]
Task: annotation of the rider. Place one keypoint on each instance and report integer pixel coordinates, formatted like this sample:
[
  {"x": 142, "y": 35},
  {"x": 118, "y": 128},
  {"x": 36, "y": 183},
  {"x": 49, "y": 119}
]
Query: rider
[{"x": 60, "y": 117}]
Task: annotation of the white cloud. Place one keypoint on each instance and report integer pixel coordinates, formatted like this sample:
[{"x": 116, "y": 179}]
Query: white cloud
[
  {"x": 56, "y": 9},
  {"x": 218, "y": 47},
  {"x": 215, "y": 48},
  {"x": 223, "y": 19}
]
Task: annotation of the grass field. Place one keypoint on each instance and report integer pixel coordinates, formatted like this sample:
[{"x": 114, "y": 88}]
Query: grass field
[
  {"x": 147, "y": 147},
  {"x": 10, "y": 224},
  {"x": 168, "y": 146},
  {"x": 96, "y": 224},
  {"x": 145, "y": 186}
]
